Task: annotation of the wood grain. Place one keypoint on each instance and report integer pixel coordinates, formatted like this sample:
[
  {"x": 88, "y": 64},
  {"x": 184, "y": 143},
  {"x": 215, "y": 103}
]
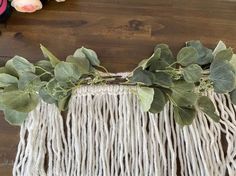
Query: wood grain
[{"x": 122, "y": 32}]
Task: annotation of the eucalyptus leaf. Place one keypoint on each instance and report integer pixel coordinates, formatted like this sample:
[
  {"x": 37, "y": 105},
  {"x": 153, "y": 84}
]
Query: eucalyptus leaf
[
  {"x": 192, "y": 73},
  {"x": 233, "y": 62},
  {"x": 184, "y": 115},
  {"x": 162, "y": 79},
  {"x": 3, "y": 70},
  {"x": 44, "y": 69},
  {"x": 148, "y": 62},
  {"x": 183, "y": 85},
  {"x": 142, "y": 76},
  {"x": 65, "y": 71},
  {"x": 44, "y": 65},
  {"x": 223, "y": 76},
  {"x": 54, "y": 89},
  {"x": 183, "y": 95},
  {"x": 91, "y": 56},
  {"x": 11, "y": 88},
  {"x": 166, "y": 53},
  {"x": 226, "y": 54},
  {"x": 82, "y": 63},
  {"x": 159, "y": 101},
  {"x": 187, "y": 56},
  {"x": 47, "y": 54},
  {"x": 79, "y": 54},
  {"x": 145, "y": 95},
  {"x": 205, "y": 55},
  {"x": 14, "y": 117},
  {"x": 205, "y": 105},
  {"x": 19, "y": 100},
  {"x": 233, "y": 96},
  {"x": 160, "y": 64},
  {"x": 29, "y": 82},
  {"x": 220, "y": 46},
  {"x": 6, "y": 80},
  {"x": 19, "y": 65},
  {"x": 45, "y": 95},
  {"x": 63, "y": 103}
]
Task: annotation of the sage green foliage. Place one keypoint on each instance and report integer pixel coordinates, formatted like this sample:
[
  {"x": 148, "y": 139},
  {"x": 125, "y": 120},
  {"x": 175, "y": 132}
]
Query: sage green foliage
[
  {"x": 206, "y": 106},
  {"x": 222, "y": 72},
  {"x": 192, "y": 73},
  {"x": 187, "y": 56},
  {"x": 7, "y": 80},
  {"x": 146, "y": 95},
  {"x": 180, "y": 80},
  {"x": 23, "y": 84},
  {"x": 204, "y": 55}
]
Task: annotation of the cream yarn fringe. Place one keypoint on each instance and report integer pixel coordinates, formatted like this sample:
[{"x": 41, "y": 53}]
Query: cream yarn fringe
[{"x": 107, "y": 134}]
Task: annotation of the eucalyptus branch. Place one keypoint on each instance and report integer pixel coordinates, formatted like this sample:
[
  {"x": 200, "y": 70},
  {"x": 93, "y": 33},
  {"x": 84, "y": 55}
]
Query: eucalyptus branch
[{"x": 155, "y": 80}]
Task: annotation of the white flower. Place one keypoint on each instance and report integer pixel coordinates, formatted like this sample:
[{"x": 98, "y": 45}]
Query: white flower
[{"x": 28, "y": 6}]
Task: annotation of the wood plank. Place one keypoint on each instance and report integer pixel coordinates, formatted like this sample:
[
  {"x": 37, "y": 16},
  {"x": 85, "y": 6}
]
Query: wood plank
[{"x": 122, "y": 32}]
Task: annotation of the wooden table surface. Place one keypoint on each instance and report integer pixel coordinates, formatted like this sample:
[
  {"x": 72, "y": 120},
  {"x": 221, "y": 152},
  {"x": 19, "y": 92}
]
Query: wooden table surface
[{"x": 122, "y": 32}]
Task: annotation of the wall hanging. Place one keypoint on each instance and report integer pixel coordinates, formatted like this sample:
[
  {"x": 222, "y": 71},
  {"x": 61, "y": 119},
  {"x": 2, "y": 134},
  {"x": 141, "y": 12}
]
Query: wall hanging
[{"x": 169, "y": 116}]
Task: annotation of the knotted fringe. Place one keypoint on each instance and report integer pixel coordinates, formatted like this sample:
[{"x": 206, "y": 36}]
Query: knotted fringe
[{"x": 106, "y": 133}]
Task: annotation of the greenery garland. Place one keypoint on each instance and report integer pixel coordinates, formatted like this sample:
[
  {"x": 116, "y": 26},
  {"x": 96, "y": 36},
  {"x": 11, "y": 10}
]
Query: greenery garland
[{"x": 183, "y": 80}]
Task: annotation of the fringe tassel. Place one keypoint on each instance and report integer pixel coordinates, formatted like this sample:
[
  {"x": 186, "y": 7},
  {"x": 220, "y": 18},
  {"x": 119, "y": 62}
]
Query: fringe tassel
[{"x": 107, "y": 134}]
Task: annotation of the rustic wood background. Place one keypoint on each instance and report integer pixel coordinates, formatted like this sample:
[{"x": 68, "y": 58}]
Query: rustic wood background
[{"x": 122, "y": 32}]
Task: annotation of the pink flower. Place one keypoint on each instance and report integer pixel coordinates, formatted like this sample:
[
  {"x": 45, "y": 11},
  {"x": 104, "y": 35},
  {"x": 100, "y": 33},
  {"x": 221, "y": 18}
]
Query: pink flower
[
  {"x": 3, "y": 6},
  {"x": 27, "y": 6}
]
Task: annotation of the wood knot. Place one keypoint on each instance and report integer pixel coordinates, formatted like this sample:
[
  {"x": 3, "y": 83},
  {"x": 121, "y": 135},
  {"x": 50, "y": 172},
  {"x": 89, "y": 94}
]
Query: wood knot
[
  {"x": 18, "y": 35},
  {"x": 136, "y": 25}
]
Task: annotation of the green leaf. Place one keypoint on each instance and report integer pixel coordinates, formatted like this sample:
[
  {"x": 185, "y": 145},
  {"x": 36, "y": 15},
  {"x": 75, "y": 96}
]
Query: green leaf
[
  {"x": 220, "y": 46},
  {"x": 11, "y": 88},
  {"x": 182, "y": 85},
  {"x": 45, "y": 95},
  {"x": 233, "y": 62},
  {"x": 80, "y": 54},
  {"x": 63, "y": 103},
  {"x": 184, "y": 115},
  {"x": 187, "y": 56},
  {"x": 82, "y": 63},
  {"x": 158, "y": 102},
  {"x": 233, "y": 96},
  {"x": 182, "y": 94},
  {"x": 160, "y": 64},
  {"x": 142, "y": 76},
  {"x": 19, "y": 65},
  {"x": 47, "y": 54},
  {"x": 148, "y": 62},
  {"x": 145, "y": 95},
  {"x": 226, "y": 54},
  {"x": 19, "y": 100},
  {"x": 45, "y": 64},
  {"x": 166, "y": 53},
  {"x": 162, "y": 79},
  {"x": 65, "y": 71},
  {"x": 44, "y": 69},
  {"x": 3, "y": 70},
  {"x": 6, "y": 80},
  {"x": 29, "y": 82},
  {"x": 91, "y": 56},
  {"x": 14, "y": 117},
  {"x": 205, "y": 55},
  {"x": 205, "y": 105},
  {"x": 223, "y": 76},
  {"x": 192, "y": 73},
  {"x": 54, "y": 89}
]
